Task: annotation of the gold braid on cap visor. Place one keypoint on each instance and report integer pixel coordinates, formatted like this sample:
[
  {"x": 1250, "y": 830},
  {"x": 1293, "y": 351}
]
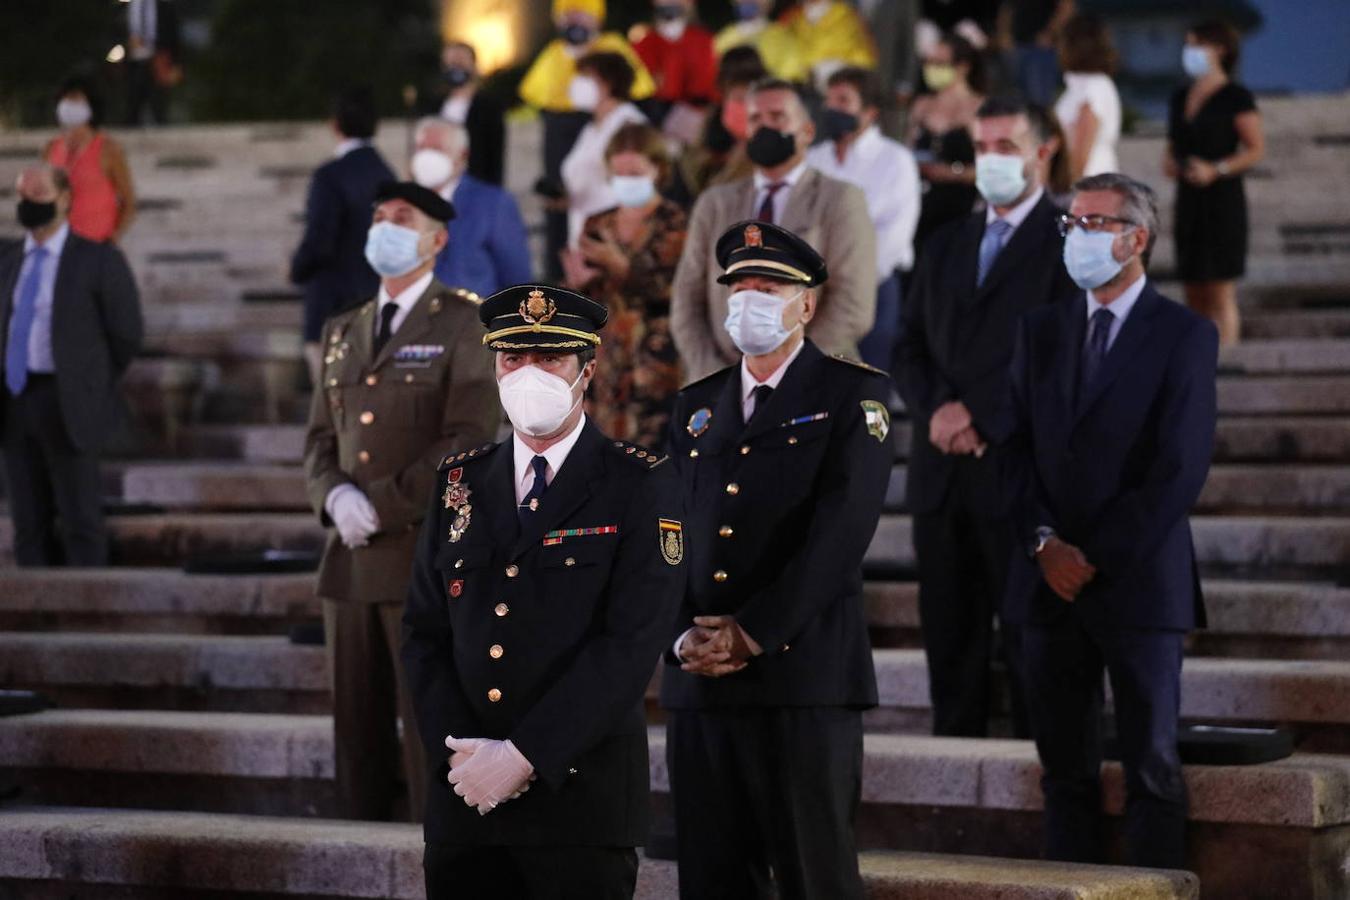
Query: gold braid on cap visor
[
  {"x": 585, "y": 336},
  {"x": 769, "y": 264}
]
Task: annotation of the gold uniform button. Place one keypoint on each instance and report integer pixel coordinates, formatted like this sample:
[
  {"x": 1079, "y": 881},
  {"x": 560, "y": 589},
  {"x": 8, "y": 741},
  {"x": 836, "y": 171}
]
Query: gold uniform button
[
  {"x": 496, "y": 651},
  {"x": 719, "y": 576},
  {"x": 693, "y": 454},
  {"x": 733, "y": 489},
  {"x": 372, "y": 380},
  {"x": 494, "y": 695},
  {"x": 367, "y": 418},
  {"x": 569, "y": 561},
  {"x": 363, "y": 456},
  {"x": 512, "y": 571},
  {"x": 726, "y": 531},
  {"x": 501, "y": 610},
  {"x": 792, "y": 440},
  {"x": 745, "y": 450}
]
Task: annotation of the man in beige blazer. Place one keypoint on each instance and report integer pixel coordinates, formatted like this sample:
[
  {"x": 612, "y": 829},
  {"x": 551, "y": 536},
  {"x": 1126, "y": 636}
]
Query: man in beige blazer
[{"x": 828, "y": 214}]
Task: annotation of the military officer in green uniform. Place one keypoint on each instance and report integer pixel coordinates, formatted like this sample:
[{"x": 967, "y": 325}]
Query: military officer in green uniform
[
  {"x": 404, "y": 382},
  {"x": 785, "y": 459},
  {"x": 547, "y": 575}
]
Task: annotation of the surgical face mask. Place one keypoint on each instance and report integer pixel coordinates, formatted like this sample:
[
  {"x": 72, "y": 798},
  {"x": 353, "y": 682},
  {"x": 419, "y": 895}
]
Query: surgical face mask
[
  {"x": 1195, "y": 60},
  {"x": 938, "y": 75},
  {"x": 671, "y": 31},
  {"x": 815, "y": 10},
  {"x": 584, "y": 93},
  {"x": 755, "y": 321},
  {"x": 1089, "y": 257},
  {"x": 632, "y": 190},
  {"x": 71, "y": 113},
  {"x": 576, "y": 35},
  {"x": 432, "y": 168},
  {"x": 536, "y": 401},
  {"x": 392, "y": 250},
  {"x": 1000, "y": 178},
  {"x": 838, "y": 124},
  {"x": 769, "y": 147},
  {"x": 32, "y": 214}
]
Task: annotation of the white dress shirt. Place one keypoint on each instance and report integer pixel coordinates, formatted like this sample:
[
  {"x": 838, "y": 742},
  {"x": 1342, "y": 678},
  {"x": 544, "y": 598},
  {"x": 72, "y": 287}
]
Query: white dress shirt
[
  {"x": 1119, "y": 309},
  {"x": 456, "y": 109},
  {"x": 1015, "y": 216},
  {"x": 347, "y": 145},
  {"x": 40, "y": 336},
  {"x": 584, "y": 172},
  {"x": 405, "y": 301},
  {"x": 556, "y": 456},
  {"x": 889, "y": 178},
  {"x": 780, "y": 199},
  {"x": 748, "y": 382}
]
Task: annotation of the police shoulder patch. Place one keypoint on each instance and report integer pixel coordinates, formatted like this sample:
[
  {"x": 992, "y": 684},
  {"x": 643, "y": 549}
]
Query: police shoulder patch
[
  {"x": 672, "y": 541},
  {"x": 877, "y": 417}
]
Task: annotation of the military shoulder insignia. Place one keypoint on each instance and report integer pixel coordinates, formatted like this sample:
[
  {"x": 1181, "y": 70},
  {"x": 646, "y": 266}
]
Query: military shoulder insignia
[
  {"x": 878, "y": 419},
  {"x": 672, "y": 541},
  {"x": 455, "y": 459},
  {"x": 699, "y": 421},
  {"x": 859, "y": 364},
  {"x": 638, "y": 454},
  {"x": 467, "y": 296}
]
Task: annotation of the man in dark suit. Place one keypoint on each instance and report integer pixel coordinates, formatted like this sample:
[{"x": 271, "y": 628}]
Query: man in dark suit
[
  {"x": 72, "y": 321},
  {"x": 546, "y": 577},
  {"x": 784, "y": 459},
  {"x": 1114, "y": 401},
  {"x": 975, "y": 278},
  {"x": 330, "y": 262},
  {"x": 153, "y": 65}
]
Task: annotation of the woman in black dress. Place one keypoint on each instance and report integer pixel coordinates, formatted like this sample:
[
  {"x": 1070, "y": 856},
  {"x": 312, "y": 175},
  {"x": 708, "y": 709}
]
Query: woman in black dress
[{"x": 1213, "y": 136}]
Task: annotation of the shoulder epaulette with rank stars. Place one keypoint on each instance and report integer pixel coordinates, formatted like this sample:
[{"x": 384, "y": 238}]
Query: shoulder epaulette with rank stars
[
  {"x": 638, "y": 454},
  {"x": 859, "y": 364},
  {"x": 455, "y": 459}
]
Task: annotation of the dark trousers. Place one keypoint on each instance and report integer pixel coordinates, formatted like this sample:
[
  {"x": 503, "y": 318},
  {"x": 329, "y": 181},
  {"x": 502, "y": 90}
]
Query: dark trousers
[
  {"x": 963, "y": 564},
  {"x": 761, "y": 791},
  {"x": 877, "y": 348},
  {"x": 55, "y": 489},
  {"x": 530, "y": 873},
  {"x": 369, "y": 699},
  {"x": 1064, "y": 663},
  {"x": 142, "y": 92}
]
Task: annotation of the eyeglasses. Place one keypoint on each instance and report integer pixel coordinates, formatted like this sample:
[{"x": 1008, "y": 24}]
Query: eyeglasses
[{"x": 1068, "y": 223}]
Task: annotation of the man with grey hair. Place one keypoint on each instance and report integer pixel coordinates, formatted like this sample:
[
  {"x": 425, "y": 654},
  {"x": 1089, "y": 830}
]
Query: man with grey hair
[
  {"x": 784, "y": 190},
  {"x": 1114, "y": 417},
  {"x": 488, "y": 249}
]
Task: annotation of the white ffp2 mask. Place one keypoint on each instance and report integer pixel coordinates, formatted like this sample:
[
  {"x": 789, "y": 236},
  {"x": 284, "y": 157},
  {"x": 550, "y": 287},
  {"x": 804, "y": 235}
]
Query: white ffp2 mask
[{"x": 535, "y": 401}]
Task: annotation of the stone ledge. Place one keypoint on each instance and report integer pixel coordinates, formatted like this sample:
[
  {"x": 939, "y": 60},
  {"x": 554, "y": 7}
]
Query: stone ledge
[
  {"x": 1283, "y": 395},
  {"x": 1283, "y": 438},
  {"x": 1288, "y": 356},
  {"x": 213, "y": 485},
  {"x": 164, "y": 592}
]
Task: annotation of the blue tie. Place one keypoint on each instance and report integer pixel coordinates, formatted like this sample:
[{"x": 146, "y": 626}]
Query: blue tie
[
  {"x": 21, "y": 325},
  {"x": 990, "y": 245},
  {"x": 1095, "y": 351},
  {"x": 531, "y": 500}
]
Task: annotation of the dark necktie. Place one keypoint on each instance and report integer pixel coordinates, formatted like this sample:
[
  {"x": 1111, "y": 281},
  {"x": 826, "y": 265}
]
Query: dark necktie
[
  {"x": 21, "y": 325},
  {"x": 761, "y": 395},
  {"x": 1095, "y": 351},
  {"x": 530, "y": 502},
  {"x": 766, "y": 208},
  {"x": 387, "y": 313}
]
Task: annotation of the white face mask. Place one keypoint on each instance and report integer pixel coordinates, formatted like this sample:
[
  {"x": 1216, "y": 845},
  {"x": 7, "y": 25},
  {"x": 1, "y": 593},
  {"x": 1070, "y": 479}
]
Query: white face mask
[
  {"x": 393, "y": 250},
  {"x": 1000, "y": 177},
  {"x": 70, "y": 113},
  {"x": 536, "y": 402},
  {"x": 432, "y": 168},
  {"x": 584, "y": 93},
  {"x": 755, "y": 321},
  {"x": 632, "y": 190},
  {"x": 671, "y": 31}
]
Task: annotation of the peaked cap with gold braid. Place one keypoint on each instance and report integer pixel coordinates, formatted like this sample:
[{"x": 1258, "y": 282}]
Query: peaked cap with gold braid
[{"x": 540, "y": 317}]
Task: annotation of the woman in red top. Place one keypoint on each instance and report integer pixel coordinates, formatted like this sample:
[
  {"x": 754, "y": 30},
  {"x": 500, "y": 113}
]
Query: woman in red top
[{"x": 103, "y": 202}]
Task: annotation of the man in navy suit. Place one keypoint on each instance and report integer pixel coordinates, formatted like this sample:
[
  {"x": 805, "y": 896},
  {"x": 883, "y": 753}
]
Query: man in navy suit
[
  {"x": 489, "y": 249},
  {"x": 330, "y": 262},
  {"x": 1114, "y": 411}
]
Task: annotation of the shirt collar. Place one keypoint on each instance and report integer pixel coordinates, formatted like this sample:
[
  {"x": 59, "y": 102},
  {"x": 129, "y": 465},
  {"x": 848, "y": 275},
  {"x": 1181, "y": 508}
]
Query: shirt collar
[
  {"x": 1018, "y": 213},
  {"x": 348, "y": 145},
  {"x": 406, "y": 300},
  {"x": 748, "y": 382},
  {"x": 448, "y": 192},
  {"x": 53, "y": 245},
  {"x": 1121, "y": 306},
  {"x": 556, "y": 454},
  {"x": 762, "y": 181},
  {"x": 864, "y": 147}
]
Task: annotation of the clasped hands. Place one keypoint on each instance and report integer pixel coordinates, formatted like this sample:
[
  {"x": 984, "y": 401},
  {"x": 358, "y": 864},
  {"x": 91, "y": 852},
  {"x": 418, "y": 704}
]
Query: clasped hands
[
  {"x": 1065, "y": 569},
  {"x": 353, "y": 514},
  {"x": 716, "y": 646},
  {"x": 952, "y": 431},
  {"x": 487, "y": 773}
]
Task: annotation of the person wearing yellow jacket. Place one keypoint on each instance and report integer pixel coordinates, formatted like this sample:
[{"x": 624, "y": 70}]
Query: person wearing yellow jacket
[
  {"x": 546, "y": 87},
  {"x": 831, "y": 35},
  {"x": 776, "y": 44}
]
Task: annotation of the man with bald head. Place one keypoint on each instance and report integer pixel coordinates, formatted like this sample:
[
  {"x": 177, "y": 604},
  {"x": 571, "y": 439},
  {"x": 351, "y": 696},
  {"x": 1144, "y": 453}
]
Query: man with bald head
[
  {"x": 828, "y": 214},
  {"x": 489, "y": 249},
  {"x": 72, "y": 321}
]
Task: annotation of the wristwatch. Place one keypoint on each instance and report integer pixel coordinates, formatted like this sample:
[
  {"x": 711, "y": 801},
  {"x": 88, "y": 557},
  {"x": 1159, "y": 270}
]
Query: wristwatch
[
  {"x": 1222, "y": 168},
  {"x": 1043, "y": 536}
]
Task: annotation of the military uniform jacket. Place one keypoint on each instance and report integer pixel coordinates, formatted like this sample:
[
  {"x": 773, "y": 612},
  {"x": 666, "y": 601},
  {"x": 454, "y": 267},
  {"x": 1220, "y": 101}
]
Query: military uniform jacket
[
  {"x": 545, "y": 634},
  {"x": 383, "y": 422},
  {"x": 781, "y": 512}
]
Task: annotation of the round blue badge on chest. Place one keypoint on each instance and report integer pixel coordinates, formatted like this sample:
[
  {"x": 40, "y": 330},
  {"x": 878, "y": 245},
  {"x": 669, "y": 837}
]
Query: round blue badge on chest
[{"x": 698, "y": 422}]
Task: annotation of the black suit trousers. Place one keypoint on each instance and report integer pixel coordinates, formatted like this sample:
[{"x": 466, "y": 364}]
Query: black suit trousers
[
  {"x": 963, "y": 561},
  {"x": 50, "y": 481},
  {"x": 1064, "y": 662},
  {"x": 530, "y": 873},
  {"x": 760, "y": 790}
]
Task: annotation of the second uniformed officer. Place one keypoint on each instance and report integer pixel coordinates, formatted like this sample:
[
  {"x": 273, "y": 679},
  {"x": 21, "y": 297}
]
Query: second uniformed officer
[
  {"x": 784, "y": 459},
  {"x": 403, "y": 383},
  {"x": 546, "y": 580}
]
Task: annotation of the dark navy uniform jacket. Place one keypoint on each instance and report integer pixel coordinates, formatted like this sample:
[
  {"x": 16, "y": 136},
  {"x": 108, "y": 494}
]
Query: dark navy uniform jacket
[
  {"x": 546, "y": 635},
  {"x": 781, "y": 511}
]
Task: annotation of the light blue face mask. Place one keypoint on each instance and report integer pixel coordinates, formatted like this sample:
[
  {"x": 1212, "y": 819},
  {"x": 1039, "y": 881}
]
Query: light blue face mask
[
  {"x": 755, "y": 321},
  {"x": 1195, "y": 61},
  {"x": 1089, "y": 258},
  {"x": 1000, "y": 177},
  {"x": 391, "y": 249},
  {"x": 632, "y": 190}
]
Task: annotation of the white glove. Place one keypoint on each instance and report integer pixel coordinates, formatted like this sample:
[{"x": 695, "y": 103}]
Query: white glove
[
  {"x": 353, "y": 515},
  {"x": 493, "y": 773}
]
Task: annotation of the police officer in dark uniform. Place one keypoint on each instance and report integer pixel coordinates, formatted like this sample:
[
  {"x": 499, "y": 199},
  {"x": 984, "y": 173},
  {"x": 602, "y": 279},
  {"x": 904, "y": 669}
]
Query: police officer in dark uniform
[
  {"x": 546, "y": 580},
  {"x": 784, "y": 459}
]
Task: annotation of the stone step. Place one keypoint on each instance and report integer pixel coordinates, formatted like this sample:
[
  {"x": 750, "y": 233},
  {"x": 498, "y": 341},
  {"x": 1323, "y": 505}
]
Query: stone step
[
  {"x": 1296, "y": 324},
  {"x": 246, "y": 443},
  {"x": 919, "y": 793},
  {"x": 187, "y": 852},
  {"x": 1288, "y": 356},
  {"x": 212, "y": 486},
  {"x": 1241, "y": 395},
  {"x": 1283, "y": 439}
]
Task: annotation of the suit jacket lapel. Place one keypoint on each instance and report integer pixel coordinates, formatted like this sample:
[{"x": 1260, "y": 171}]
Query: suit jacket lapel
[
  {"x": 571, "y": 486},
  {"x": 968, "y": 259},
  {"x": 1021, "y": 246},
  {"x": 786, "y": 398},
  {"x": 727, "y": 422},
  {"x": 1073, "y": 323},
  {"x": 8, "y": 280},
  {"x": 801, "y": 200},
  {"x": 1126, "y": 347}
]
